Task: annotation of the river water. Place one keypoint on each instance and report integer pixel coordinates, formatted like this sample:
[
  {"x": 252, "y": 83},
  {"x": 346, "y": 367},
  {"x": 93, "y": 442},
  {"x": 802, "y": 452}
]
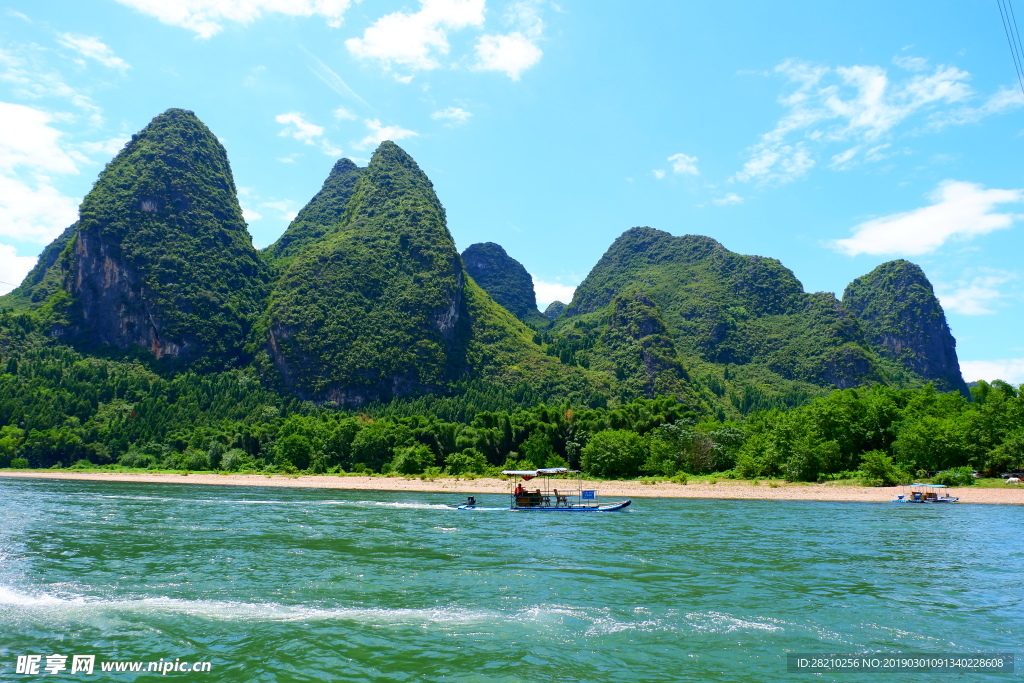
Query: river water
[{"x": 270, "y": 584}]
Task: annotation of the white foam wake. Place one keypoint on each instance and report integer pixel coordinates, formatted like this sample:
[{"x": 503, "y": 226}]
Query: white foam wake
[{"x": 226, "y": 610}]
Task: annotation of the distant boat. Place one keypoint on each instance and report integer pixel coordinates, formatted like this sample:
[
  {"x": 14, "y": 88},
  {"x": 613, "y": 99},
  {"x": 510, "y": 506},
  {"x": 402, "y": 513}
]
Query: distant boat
[
  {"x": 547, "y": 497},
  {"x": 926, "y": 493}
]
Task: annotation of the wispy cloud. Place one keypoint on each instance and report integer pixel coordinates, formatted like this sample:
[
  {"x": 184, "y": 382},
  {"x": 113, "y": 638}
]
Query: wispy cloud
[
  {"x": 658, "y": 173},
  {"x": 977, "y": 296},
  {"x": 331, "y": 79},
  {"x": 684, "y": 164},
  {"x": 728, "y": 199},
  {"x": 853, "y": 106},
  {"x": 95, "y": 49},
  {"x": 454, "y": 116},
  {"x": 206, "y": 18},
  {"x": 24, "y": 69},
  {"x": 297, "y": 127},
  {"x": 959, "y": 210},
  {"x": 379, "y": 133}
]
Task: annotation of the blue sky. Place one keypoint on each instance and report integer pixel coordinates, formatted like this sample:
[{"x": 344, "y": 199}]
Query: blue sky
[{"x": 832, "y": 136}]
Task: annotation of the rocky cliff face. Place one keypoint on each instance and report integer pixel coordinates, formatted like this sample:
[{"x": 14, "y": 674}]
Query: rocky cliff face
[
  {"x": 322, "y": 214},
  {"x": 504, "y": 278},
  {"x": 161, "y": 258},
  {"x": 903, "y": 320},
  {"x": 645, "y": 360}
]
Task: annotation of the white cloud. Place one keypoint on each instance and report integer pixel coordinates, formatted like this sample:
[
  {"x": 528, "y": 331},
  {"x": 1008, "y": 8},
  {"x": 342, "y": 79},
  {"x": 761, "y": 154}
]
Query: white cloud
[
  {"x": 300, "y": 129},
  {"x": 848, "y": 104},
  {"x": 454, "y": 115},
  {"x": 27, "y": 139},
  {"x": 108, "y": 147},
  {"x": 516, "y": 51},
  {"x": 977, "y": 296},
  {"x": 911, "y": 63},
  {"x": 93, "y": 48},
  {"x": 379, "y": 133},
  {"x": 1003, "y": 100},
  {"x": 658, "y": 173},
  {"x": 512, "y": 54},
  {"x": 728, "y": 199},
  {"x": 343, "y": 114},
  {"x": 297, "y": 127},
  {"x": 206, "y": 18},
  {"x": 34, "y": 210},
  {"x": 31, "y": 208},
  {"x": 331, "y": 79},
  {"x": 959, "y": 211},
  {"x": 285, "y": 208},
  {"x": 416, "y": 40},
  {"x": 31, "y": 79},
  {"x": 13, "y": 268},
  {"x": 251, "y": 215},
  {"x": 1007, "y": 369},
  {"x": 548, "y": 292},
  {"x": 684, "y": 163}
]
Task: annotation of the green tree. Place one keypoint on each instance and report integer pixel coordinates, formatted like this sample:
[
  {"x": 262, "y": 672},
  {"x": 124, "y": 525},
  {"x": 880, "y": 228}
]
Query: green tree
[
  {"x": 464, "y": 462},
  {"x": 614, "y": 453},
  {"x": 413, "y": 459},
  {"x": 11, "y": 438},
  {"x": 376, "y": 442},
  {"x": 294, "y": 450}
]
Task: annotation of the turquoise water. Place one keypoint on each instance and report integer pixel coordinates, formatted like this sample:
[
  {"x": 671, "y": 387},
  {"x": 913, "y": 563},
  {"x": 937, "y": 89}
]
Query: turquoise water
[{"x": 306, "y": 585}]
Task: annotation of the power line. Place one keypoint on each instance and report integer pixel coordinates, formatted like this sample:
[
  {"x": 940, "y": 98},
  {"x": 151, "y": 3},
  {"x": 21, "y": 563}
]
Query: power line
[{"x": 1012, "y": 38}]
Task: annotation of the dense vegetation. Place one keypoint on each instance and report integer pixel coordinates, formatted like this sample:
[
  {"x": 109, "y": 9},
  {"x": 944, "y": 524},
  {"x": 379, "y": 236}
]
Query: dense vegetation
[
  {"x": 724, "y": 308},
  {"x": 152, "y": 334},
  {"x": 902, "y": 320},
  {"x": 59, "y": 407},
  {"x": 160, "y": 257},
  {"x": 321, "y": 215},
  {"x": 504, "y": 279}
]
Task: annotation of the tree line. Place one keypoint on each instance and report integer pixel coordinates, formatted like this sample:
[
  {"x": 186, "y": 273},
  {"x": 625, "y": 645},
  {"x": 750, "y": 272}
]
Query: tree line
[{"x": 59, "y": 407}]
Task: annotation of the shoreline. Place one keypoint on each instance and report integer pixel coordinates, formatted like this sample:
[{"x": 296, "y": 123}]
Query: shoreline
[{"x": 723, "y": 490}]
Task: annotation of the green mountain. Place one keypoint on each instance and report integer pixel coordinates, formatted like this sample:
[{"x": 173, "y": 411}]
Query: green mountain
[
  {"x": 364, "y": 299},
  {"x": 323, "y": 213},
  {"x": 903, "y": 320},
  {"x": 380, "y": 307},
  {"x": 554, "y": 309},
  {"x": 505, "y": 279},
  {"x": 727, "y": 309},
  {"x": 44, "y": 279},
  {"x": 160, "y": 257}
]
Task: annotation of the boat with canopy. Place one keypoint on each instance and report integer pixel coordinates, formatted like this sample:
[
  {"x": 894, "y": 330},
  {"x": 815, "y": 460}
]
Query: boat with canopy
[
  {"x": 926, "y": 493},
  {"x": 551, "y": 494}
]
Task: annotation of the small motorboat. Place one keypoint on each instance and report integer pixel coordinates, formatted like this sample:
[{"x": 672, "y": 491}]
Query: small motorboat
[
  {"x": 925, "y": 493},
  {"x": 553, "y": 495}
]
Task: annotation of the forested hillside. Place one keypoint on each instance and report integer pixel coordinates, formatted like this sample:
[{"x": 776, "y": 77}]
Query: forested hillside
[{"x": 151, "y": 332}]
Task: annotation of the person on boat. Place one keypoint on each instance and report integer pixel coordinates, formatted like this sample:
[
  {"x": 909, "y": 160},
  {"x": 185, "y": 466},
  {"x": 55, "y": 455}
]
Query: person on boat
[
  {"x": 520, "y": 490},
  {"x": 471, "y": 501}
]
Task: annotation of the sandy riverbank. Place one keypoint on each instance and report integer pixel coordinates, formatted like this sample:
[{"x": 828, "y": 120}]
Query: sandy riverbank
[{"x": 609, "y": 489}]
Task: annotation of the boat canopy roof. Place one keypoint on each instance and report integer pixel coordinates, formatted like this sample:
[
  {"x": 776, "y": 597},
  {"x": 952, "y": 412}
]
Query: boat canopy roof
[
  {"x": 530, "y": 474},
  {"x": 931, "y": 486}
]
